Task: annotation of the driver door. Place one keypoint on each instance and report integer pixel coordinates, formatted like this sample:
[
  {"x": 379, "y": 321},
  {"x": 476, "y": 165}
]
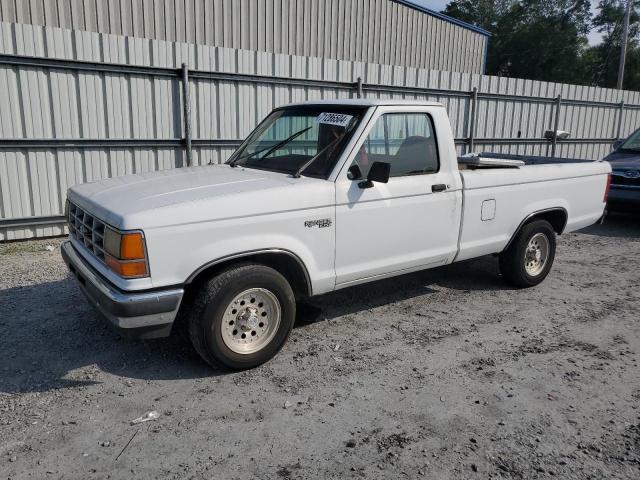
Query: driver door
[{"x": 409, "y": 223}]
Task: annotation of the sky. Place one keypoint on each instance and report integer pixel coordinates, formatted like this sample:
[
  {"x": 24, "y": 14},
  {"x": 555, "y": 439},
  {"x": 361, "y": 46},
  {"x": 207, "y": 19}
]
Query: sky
[{"x": 438, "y": 5}]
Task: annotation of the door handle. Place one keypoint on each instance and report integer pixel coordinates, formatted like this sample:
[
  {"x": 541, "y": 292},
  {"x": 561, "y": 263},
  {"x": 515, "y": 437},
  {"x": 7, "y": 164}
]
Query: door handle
[{"x": 438, "y": 187}]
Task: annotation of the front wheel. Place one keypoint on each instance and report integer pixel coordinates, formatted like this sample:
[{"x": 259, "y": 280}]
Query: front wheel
[
  {"x": 530, "y": 256},
  {"x": 242, "y": 317}
]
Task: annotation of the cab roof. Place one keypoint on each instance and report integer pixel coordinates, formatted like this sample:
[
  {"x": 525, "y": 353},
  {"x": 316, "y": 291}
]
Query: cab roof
[{"x": 363, "y": 102}]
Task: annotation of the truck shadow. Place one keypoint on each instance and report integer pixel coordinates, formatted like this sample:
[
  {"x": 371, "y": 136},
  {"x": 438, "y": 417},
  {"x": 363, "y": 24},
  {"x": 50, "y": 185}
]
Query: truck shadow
[
  {"x": 480, "y": 274},
  {"x": 52, "y": 339}
]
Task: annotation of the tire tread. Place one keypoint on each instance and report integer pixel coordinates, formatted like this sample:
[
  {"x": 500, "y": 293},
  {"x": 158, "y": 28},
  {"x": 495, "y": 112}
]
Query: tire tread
[{"x": 212, "y": 289}]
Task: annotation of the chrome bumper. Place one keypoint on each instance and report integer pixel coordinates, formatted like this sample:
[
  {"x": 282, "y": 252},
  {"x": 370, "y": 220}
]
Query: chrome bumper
[{"x": 133, "y": 315}]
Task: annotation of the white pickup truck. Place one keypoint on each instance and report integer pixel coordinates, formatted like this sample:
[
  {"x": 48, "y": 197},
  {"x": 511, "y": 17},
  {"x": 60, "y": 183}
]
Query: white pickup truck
[{"x": 321, "y": 196}]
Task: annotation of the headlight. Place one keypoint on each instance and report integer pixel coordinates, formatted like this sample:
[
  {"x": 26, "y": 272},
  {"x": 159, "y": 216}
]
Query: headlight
[
  {"x": 112, "y": 241},
  {"x": 125, "y": 253}
]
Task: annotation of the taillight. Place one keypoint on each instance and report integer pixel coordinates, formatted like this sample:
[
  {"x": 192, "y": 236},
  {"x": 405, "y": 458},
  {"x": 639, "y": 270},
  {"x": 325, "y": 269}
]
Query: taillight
[
  {"x": 606, "y": 190},
  {"x": 125, "y": 253}
]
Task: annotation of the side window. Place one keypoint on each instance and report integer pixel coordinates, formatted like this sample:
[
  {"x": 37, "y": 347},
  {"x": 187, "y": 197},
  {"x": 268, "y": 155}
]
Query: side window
[{"x": 404, "y": 140}]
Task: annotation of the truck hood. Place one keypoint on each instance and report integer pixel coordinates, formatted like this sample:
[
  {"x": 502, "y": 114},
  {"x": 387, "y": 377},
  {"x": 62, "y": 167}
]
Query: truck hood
[
  {"x": 623, "y": 161},
  {"x": 194, "y": 194}
]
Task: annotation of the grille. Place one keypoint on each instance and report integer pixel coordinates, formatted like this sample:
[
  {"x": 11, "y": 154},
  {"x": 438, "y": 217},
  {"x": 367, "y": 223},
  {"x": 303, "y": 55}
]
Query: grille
[{"x": 87, "y": 229}]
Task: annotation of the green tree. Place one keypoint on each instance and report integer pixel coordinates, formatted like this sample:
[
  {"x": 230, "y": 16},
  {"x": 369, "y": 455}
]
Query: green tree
[
  {"x": 600, "y": 63},
  {"x": 534, "y": 39},
  {"x": 483, "y": 13}
]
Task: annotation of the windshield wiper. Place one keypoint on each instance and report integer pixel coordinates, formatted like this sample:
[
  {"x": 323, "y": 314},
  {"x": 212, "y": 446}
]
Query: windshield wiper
[
  {"x": 313, "y": 159},
  {"x": 271, "y": 149}
]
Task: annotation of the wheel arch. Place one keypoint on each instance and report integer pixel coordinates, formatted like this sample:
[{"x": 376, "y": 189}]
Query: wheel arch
[
  {"x": 556, "y": 216},
  {"x": 283, "y": 261}
]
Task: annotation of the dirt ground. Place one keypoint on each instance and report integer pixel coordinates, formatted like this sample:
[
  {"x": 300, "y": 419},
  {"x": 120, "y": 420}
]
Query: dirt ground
[{"x": 444, "y": 374}]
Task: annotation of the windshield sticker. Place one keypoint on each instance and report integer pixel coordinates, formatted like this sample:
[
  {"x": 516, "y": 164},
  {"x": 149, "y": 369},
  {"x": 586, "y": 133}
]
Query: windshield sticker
[{"x": 339, "y": 119}]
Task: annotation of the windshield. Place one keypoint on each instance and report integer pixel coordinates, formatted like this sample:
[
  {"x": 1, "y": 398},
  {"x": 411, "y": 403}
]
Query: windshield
[
  {"x": 305, "y": 140},
  {"x": 632, "y": 143}
]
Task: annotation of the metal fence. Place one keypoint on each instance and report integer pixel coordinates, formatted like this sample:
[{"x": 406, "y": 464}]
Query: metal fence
[{"x": 80, "y": 106}]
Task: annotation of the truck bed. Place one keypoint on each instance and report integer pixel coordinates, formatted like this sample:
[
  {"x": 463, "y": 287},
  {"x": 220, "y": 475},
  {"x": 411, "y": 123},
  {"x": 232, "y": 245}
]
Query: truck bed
[{"x": 496, "y": 198}]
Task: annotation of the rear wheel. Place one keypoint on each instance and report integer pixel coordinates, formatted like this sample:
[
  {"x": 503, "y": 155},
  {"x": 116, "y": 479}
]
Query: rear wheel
[
  {"x": 242, "y": 317},
  {"x": 530, "y": 256}
]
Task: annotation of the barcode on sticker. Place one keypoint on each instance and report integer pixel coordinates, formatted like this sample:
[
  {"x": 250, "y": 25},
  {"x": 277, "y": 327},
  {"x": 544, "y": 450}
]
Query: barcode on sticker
[{"x": 339, "y": 119}]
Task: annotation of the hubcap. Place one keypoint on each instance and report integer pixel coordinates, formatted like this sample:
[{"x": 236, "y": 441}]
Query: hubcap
[
  {"x": 536, "y": 254},
  {"x": 251, "y": 321}
]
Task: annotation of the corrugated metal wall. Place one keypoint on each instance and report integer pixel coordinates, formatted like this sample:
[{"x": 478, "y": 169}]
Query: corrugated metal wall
[
  {"x": 376, "y": 31},
  {"x": 39, "y": 103}
]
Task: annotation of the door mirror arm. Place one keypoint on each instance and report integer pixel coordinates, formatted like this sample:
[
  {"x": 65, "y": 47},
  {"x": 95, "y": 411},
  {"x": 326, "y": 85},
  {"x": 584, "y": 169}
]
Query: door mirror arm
[{"x": 354, "y": 172}]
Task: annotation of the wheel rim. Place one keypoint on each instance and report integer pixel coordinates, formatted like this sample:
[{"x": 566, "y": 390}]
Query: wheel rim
[
  {"x": 251, "y": 321},
  {"x": 536, "y": 254}
]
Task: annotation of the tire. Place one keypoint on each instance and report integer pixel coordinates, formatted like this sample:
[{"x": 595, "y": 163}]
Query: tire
[
  {"x": 242, "y": 317},
  {"x": 530, "y": 256}
]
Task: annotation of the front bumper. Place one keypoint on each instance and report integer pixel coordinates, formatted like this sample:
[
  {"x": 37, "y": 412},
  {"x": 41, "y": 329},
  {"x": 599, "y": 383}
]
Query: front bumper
[
  {"x": 624, "y": 198},
  {"x": 133, "y": 315}
]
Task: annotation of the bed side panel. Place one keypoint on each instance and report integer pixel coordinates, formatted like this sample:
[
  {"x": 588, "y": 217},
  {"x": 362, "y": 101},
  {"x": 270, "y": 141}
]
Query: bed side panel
[{"x": 511, "y": 195}]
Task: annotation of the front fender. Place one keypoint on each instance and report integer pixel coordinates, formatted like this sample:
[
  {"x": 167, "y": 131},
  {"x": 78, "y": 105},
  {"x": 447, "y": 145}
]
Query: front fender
[{"x": 176, "y": 254}]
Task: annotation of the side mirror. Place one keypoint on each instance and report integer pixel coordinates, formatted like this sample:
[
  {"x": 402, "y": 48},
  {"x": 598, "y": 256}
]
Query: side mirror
[
  {"x": 618, "y": 143},
  {"x": 379, "y": 172}
]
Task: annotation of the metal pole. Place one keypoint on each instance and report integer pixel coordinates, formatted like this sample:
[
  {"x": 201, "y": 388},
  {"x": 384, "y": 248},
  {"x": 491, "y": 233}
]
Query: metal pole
[
  {"x": 620, "y": 116},
  {"x": 359, "y": 87},
  {"x": 474, "y": 119},
  {"x": 556, "y": 123},
  {"x": 186, "y": 105},
  {"x": 623, "y": 47}
]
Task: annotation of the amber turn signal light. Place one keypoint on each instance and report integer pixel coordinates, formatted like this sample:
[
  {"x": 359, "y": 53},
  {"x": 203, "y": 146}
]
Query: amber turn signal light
[
  {"x": 127, "y": 269},
  {"x": 132, "y": 246}
]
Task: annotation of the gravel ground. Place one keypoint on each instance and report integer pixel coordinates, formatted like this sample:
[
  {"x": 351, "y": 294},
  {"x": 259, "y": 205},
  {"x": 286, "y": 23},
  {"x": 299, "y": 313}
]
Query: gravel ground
[{"x": 444, "y": 374}]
